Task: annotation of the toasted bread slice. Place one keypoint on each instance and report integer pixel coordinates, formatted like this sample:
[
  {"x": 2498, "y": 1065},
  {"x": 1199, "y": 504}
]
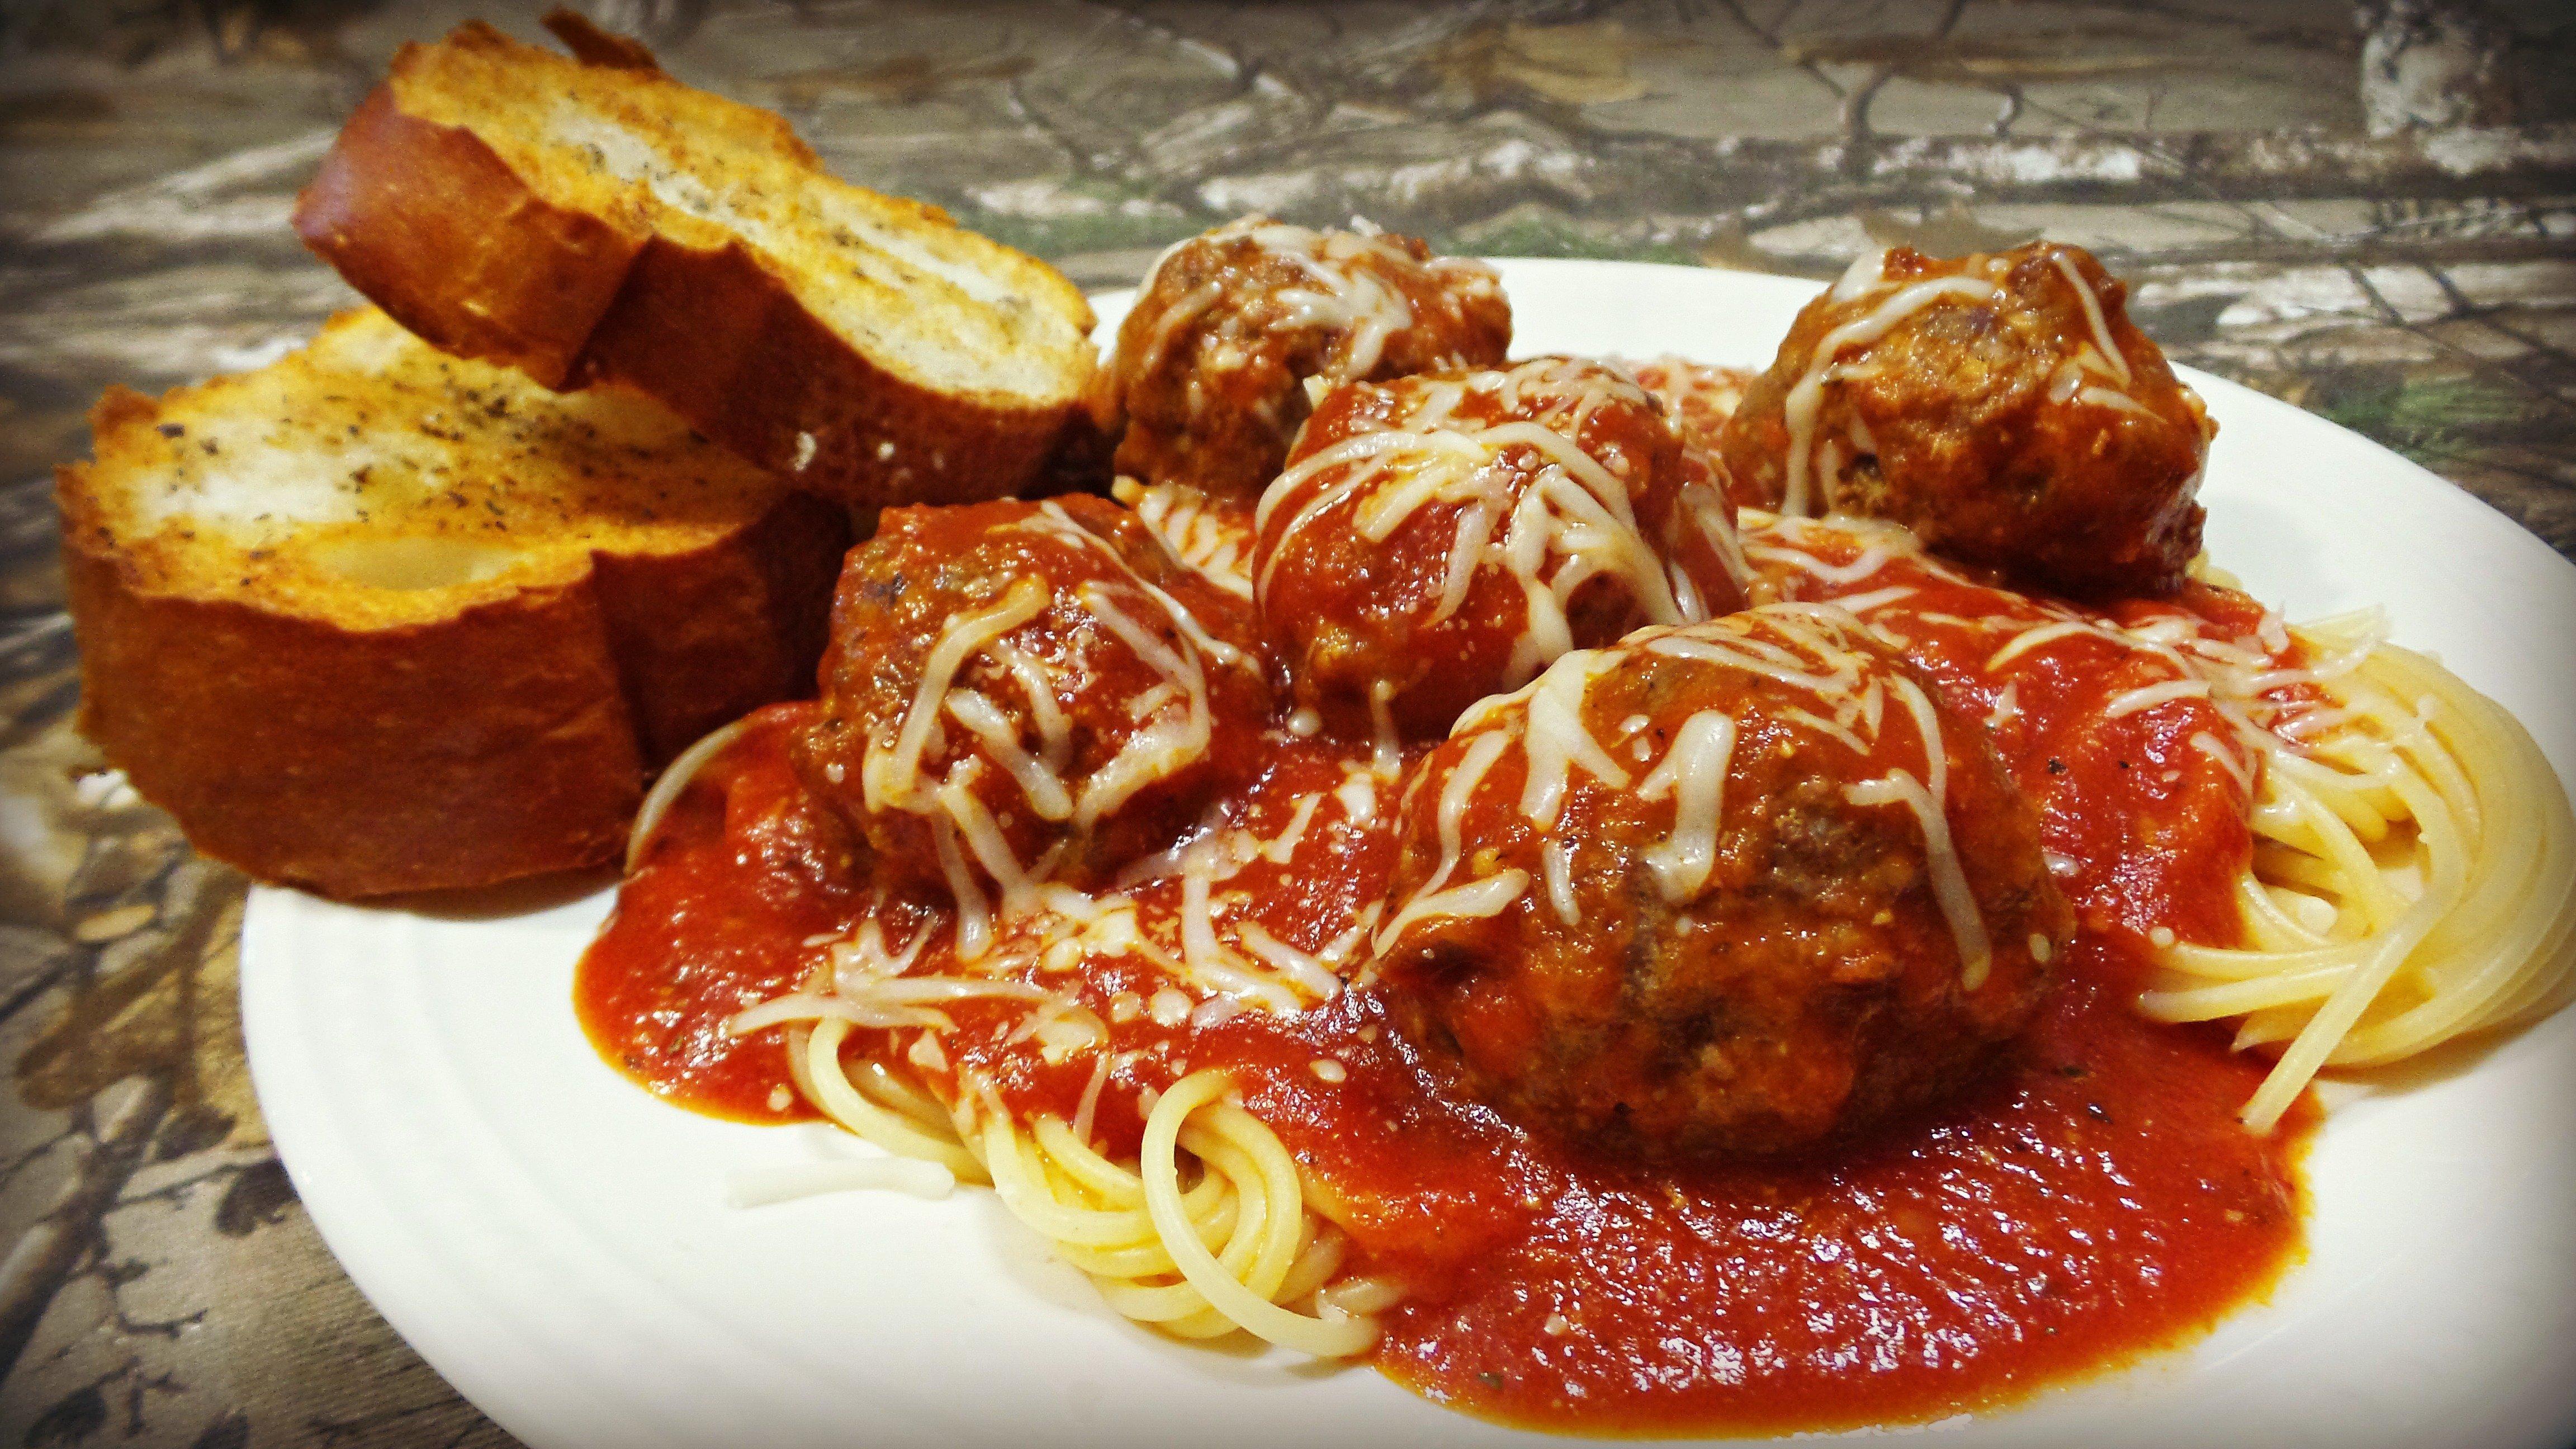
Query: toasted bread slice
[
  {"x": 378, "y": 619},
  {"x": 591, "y": 219}
]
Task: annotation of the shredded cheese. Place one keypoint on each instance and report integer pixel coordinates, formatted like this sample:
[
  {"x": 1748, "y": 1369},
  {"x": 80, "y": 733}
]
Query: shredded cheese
[
  {"x": 1806, "y": 395},
  {"x": 1693, "y": 772},
  {"x": 2119, "y": 363},
  {"x": 1527, "y": 502},
  {"x": 890, "y": 777}
]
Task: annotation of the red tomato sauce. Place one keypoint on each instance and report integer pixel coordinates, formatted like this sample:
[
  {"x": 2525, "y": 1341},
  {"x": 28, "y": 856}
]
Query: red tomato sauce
[
  {"x": 710, "y": 926},
  {"x": 2149, "y": 824},
  {"x": 2093, "y": 1200}
]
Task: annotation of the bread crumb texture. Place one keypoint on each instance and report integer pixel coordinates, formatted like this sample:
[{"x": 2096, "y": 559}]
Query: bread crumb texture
[
  {"x": 372, "y": 481},
  {"x": 933, "y": 303}
]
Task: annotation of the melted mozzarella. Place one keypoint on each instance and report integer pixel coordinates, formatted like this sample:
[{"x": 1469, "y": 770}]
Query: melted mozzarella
[
  {"x": 1876, "y": 598},
  {"x": 1055, "y": 731},
  {"x": 1162, "y": 748},
  {"x": 1548, "y": 530},
  {"x": 2103, "y": 397},
  {"x": 1001, "y": 739},
  {"x": 1307, "y": 970},
  {"x": 974, "y": 912},
  {"x": 891, "y": 778},
  {"x": 2240, "y": 766},
  {"x": 1700, "y": 507},
  {"x": 1556, "y": 865},
  {"x": 1386, "y": 747},
  {"x": 1206, "y": 960},
  {"x": 1211, "y": 541},
  {"x": 1806, "y": 395},
  {"x": 2119, "y": 364},
  {"x": 1693, "y": 772},
  {"x": 1358, "y": 795},
  {"x": 2033, "y": 636},
  {"x": 1486, "y": 897},
  {"x": 1555, "y": 739},
  {"x": 2151, "y": 695},
  {"x": 1866, "y": 274},
  {"x": 1949, "y": 879},
  {"x": 1184, "y": 310},
  {"x": 2007, "y": 706},
  {"x": 983, "y": 837}
]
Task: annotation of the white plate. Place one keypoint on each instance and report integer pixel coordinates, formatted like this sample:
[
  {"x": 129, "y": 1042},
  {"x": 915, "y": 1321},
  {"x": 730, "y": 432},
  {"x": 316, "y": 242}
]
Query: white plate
[{"x": 557, "y": 1243}]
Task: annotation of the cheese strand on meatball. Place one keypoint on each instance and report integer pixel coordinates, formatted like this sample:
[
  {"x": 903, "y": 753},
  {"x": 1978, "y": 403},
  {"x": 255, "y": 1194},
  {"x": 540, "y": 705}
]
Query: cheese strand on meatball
[
  {"x": 1809, "y": 391},
  {"x": 1444, "y": 538},
  {"x": 1819, "y": 904}
]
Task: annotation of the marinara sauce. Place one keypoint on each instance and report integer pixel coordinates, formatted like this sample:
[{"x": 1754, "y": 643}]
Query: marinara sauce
[{"x": 2091, "y": 1200}]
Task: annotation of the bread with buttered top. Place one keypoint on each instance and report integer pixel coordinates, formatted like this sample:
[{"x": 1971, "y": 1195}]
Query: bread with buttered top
[
  {"x": 377, "y": 619},
  {"x": 588, "y": 219}
]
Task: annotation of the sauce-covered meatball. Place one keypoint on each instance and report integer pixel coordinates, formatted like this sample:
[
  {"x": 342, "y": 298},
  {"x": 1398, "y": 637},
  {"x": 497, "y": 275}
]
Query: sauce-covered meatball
[
  {"x": 1698, "y": 397},
  {"x": 1738, "y": 887},
  {"x": 1707, "y": 556},
  {"x": 2003, "y": 407},
  {"x": 1213, "y": 536},
  {"x": 1210, "y": 372},
  {"x": 1022, "y": 691},
  {"x": 1442, "y": 537}
]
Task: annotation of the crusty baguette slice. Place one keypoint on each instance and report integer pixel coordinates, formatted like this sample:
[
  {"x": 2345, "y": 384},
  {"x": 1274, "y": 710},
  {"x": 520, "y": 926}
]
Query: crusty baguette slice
[
  {"x": 591, "y": 219},
  {"x": 378, "y": 619}
]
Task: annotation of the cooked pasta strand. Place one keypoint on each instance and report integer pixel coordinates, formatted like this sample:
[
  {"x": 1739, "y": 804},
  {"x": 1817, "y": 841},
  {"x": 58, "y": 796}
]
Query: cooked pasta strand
[{"x": 2414, "y": 879}]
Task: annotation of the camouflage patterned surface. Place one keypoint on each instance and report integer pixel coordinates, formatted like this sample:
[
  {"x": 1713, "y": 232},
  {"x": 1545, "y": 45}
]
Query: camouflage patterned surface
[{"x": 2369, "y": 211}]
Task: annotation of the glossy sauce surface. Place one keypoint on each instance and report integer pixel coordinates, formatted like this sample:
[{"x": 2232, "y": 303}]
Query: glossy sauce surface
[
  {"x": 2093, "y": 1199},
  {"x": 745, "y": 870}
]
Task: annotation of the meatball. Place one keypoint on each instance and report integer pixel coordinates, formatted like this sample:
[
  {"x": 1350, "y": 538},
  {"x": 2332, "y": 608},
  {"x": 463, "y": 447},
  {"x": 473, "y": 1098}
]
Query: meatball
[
  {"x": 1440, "y": 538},
  {"x": 2002, "y": 407},
  {"x": 1016, "y": 692},
  {"x": 1698, "y": 397},
  {"x": 1212, "y": 536},
  {"x": 1734, "y": 887},
  {"x": 1209, "y": 376},
  {"x": 1707, "y": 557}
]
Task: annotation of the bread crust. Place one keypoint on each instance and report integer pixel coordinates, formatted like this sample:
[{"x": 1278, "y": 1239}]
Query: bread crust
[
  {"x": 701, "y": 639},
  {"x": 510, "y": 739},
  {"x": 716, "y": 338},
  {"x": 433, "y": 225}
]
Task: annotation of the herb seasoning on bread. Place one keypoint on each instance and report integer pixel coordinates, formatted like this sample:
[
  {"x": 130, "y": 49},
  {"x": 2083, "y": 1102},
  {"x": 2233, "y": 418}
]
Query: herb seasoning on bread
[
  {"x": 376, "y": 619},
  {"x": 589, "y": 219}
]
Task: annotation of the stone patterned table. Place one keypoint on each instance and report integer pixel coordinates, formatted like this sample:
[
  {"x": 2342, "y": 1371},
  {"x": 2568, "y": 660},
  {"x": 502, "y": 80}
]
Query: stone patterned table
[{"x": 2371, "y": 213}]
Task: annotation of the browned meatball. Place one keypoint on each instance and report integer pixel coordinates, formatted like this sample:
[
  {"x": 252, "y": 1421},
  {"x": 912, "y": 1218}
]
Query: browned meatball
[
  {"x": 1209, "y": 374},
  {"x": 2002, "y": 406},
  {"x": 1741, "y": 886},
  {"x": 1440, "y": 538},
  {"x": 1022, "y": 691}
]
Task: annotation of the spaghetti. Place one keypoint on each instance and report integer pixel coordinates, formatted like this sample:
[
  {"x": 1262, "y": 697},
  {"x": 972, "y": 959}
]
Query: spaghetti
[
  {"x": 2409, "y": 882},
  {"x": 1771, "y": 1017},
  {"x": 895, "y": 1023},
  {"x": 1207, "y": 1232},
  {"x": 2413, "y": 881},
  {"x": 2412, "y": 876}
]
